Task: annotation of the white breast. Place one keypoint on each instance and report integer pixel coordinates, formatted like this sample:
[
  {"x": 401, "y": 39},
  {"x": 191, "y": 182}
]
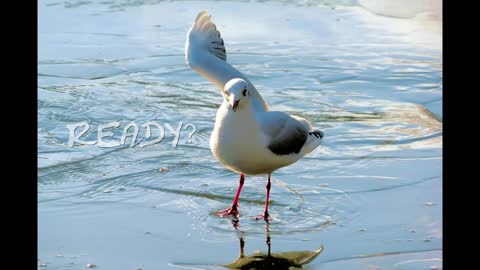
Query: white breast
[{"x": 237, "y": 143}]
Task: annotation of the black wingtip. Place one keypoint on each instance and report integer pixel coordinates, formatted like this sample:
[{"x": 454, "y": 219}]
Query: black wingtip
[{"x": 317, "y": 133}]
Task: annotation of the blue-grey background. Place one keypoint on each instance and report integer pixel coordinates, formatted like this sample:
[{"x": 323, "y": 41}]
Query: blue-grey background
[{"x": 368, "y": 73}]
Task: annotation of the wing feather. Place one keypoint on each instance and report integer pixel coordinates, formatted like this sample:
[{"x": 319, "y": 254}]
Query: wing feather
[
  {"x": 204, "y": 33},
  {"x": 285, "y": 134},
  {"x": 205, "y": 53}
]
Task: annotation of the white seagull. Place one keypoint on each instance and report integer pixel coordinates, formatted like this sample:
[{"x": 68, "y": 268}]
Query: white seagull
[{"x": 248, "y": 138}]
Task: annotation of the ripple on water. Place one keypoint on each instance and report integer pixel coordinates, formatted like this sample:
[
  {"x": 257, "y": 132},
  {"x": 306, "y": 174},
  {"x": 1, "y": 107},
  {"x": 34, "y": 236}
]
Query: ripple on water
[
  {"x": 420, "y": 264},
  {"x": 378, "y": 100},
  {"x": 291, "y": 212}
]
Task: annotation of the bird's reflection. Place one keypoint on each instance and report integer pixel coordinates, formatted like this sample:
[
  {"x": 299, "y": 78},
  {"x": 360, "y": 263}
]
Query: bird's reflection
[{"x": 278, "y": 261}]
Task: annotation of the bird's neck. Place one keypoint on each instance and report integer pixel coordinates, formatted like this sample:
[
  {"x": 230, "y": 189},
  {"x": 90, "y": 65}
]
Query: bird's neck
[
  {"x": 243, "y": 117},
  {"x": 258, "y": 103},
  {"x": 243, "y": 124}
]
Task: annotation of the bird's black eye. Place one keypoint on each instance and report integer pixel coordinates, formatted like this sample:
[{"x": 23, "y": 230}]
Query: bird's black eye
[{"x": 244, "y": 93}]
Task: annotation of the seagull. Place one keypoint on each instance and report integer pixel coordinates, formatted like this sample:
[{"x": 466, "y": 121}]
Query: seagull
[{"x": 248, "y": 138}]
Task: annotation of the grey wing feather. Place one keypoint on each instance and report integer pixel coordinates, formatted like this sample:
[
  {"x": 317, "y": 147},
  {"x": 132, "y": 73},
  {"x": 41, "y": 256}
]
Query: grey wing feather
[
  {"x": 287, "y": 134},
  {"x": 292, "y": 143},
  {"x": 210, "y": 35}
]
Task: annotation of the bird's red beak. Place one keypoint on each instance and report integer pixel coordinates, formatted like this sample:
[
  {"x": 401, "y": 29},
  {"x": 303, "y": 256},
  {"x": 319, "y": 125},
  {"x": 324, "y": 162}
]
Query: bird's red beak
[{"x": 235, "y": 105}]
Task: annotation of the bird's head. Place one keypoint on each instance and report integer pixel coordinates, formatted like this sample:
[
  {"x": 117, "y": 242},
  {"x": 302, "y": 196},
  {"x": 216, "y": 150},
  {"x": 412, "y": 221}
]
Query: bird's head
[{"x": 236, "y": 92}]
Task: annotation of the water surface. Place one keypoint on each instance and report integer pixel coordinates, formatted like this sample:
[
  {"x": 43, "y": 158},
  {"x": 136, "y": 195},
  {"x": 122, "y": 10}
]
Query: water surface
[{"x": 371, "y": 194}]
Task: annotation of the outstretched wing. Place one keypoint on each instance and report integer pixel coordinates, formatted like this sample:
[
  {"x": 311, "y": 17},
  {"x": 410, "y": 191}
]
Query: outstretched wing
[
  {"x": 206, "y": 54},
  {"x": 204, "y": 34}
]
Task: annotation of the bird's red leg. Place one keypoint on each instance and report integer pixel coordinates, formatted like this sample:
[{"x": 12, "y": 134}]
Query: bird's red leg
[
  {"x": 265, "y": 216},
  {"x": 234, "y": 209}
]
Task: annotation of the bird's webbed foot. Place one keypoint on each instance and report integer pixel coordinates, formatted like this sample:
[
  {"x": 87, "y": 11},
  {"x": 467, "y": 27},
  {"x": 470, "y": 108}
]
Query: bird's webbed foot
[{"x": 231, "y": 211}]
